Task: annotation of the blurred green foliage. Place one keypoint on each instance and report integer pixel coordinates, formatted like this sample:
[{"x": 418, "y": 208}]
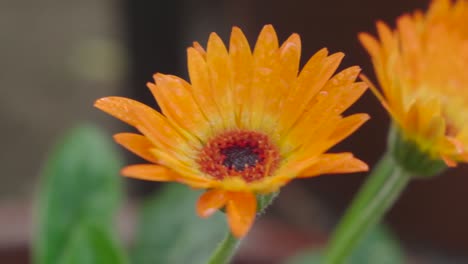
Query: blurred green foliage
[
  {"x": 170, "y": 232},
  {"x": 379, "y": 246},
  {"x": 79, "y": 194},
  {"x": 91, "y": 244}
]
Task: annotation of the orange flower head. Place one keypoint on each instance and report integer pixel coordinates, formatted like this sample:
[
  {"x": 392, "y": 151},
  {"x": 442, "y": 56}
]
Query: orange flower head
[
  {"x": 422, "y": 69},
  {"x": 246, "y": 124}
]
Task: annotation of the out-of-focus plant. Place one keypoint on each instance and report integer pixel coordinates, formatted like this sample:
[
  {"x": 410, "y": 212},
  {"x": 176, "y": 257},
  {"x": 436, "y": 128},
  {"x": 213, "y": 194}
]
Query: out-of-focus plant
[
  {"x": 77, "y": 201},
  {"x": 421, "y": 67}
]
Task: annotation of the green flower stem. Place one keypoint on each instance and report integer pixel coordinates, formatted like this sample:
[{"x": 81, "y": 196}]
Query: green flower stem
[
  {"x": 377, "y": 195},
  {"x": 225, "y": 250}
]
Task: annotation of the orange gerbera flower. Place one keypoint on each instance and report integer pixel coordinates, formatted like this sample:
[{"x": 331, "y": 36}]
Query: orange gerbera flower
[
  {"x": 422, "y": 68},
  {"x": 247, "y": 123}
]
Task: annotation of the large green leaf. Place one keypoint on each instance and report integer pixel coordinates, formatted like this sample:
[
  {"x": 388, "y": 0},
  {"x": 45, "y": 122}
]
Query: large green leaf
[
  {"x": 171, "y": 233},
  {"x": 91, "y": 245},
  {"x": 79, "y": 183},
  {"x": 379, "y": 246}
]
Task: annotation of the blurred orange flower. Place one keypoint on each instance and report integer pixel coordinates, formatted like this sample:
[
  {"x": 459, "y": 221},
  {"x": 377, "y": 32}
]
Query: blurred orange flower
[
  {"x": 247, "y": 124},
  {"x": 422, "y": 68}
]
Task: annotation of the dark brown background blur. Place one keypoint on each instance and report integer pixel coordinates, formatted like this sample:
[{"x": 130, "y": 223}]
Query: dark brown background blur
[{"x": 58, "y": 57}]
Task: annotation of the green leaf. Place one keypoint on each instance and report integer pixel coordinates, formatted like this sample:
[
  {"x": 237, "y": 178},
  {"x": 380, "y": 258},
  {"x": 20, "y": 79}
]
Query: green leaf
[
  {"x": 170, "y": 232},
  {"x": 91, "y": 244},
  {"x": 80, "y": 183},
  {"x": 379, "y": 246}
]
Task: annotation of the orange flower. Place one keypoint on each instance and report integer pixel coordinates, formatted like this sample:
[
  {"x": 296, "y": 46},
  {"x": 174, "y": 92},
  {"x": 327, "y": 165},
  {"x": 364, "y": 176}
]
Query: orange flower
[
  {"x": 247, "y": 124},
  {"x": 422, "y": 68}
]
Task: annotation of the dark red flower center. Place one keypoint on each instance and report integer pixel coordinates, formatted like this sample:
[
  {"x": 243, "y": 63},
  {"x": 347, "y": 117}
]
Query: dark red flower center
[{"x": 246, "y": 154}]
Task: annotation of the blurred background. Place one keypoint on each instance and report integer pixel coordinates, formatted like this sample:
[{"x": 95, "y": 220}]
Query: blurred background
[{"x": 57, "y": 57}]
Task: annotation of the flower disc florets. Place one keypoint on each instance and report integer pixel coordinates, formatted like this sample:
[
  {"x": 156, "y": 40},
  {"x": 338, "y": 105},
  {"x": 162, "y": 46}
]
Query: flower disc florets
[{"x": 246, "y": 154}]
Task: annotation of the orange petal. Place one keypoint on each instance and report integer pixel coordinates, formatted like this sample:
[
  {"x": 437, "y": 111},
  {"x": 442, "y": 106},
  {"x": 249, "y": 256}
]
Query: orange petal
[
  {"x": 370, "y": 44},
  {"x": 241, "y": 209},
  {"x": 137, "y": 144},
  {"x": 449, "y": 162},
  {"x": 329, "y": 105},
  {"x": 201, "y": 85},
  {"x": 343, "y": 78},
  {"x": 315, "y": 74},
  {"x": 123, "y": 108},
  {"x": 241, "y": 59},
  {"x": 312, "y": 130},
  {"x": 386, "y": 37},
  {"x": 311, "y": 80},
  {"x": 331, "y": 163},
  {"x": 378, "y": 94},
  {"x": 199, "y": 48},
  {"x": 347, "y": 126},
  {"x": 195, "y": 183},
  {"x": 412, "y": 117},
  {"x": 149, "y": 172},
  {"x": 266, "y": 78},
  {"x": 290, "y": 55},
  {"x": 305, "y": 87},
  {"x": 177, "y": 103},
  {"x": 210, "y": 201},
  {"x": 184, "y": 167},
  {"x": 314, "y": 63},
  {"x": 147, "y": 120},
  {"x": 267, "y": 43},
  {"x": 435, "y": 130},
  {"x": 411, "y": 44},
  {"x": 345, "y": 95},
  {"x": 217, "y": 60},
  {"x": 427, "y": 108}
]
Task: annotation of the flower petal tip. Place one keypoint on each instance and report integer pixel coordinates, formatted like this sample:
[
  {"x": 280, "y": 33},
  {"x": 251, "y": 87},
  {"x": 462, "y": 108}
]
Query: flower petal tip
[
  {"x": 98, "y": 103},
  {"x": 118, "y": 137},
  {"x": 364, "y": 167},
  {"x": 449, "y": 162},
  {"x": 205, "y": 212},
  {"x": 210, "y": 201},
  {"x": 236, "y": 30},
  {"x": 338, "y": 56},
  {"x": 127, "y": 171},
  {"x": 294, "y": 38},
  {"x": 268, "y": 27},
  {"x": 365, "y": 117}
]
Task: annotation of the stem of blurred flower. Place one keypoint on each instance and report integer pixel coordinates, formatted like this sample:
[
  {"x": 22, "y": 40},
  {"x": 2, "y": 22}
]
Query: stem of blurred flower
[
  {"x": 404, "y": 160},
  {"x": 377, "y": 195},
  {"x": 225, "y": 250}
]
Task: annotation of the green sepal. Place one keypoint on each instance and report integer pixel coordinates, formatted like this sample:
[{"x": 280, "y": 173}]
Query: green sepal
[
  {"x": 410, "y": 157},
  {"x": 265, "y": 200}
]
